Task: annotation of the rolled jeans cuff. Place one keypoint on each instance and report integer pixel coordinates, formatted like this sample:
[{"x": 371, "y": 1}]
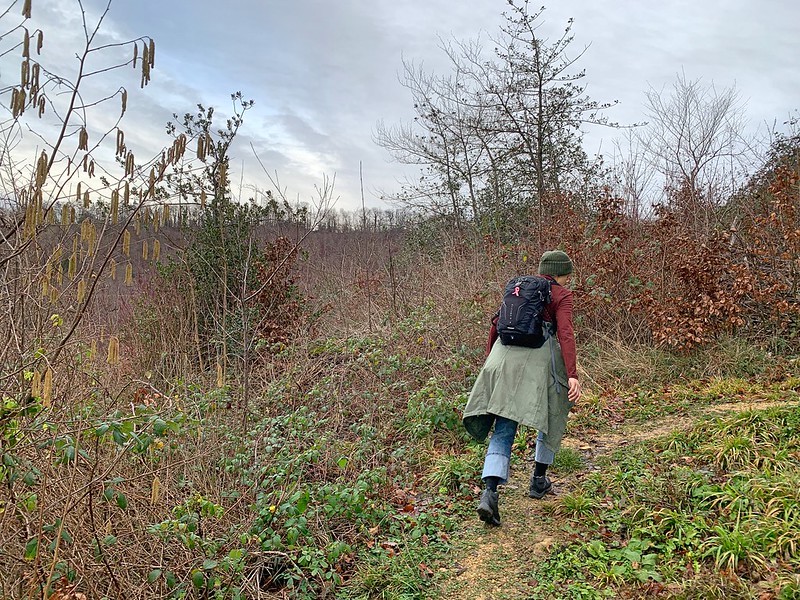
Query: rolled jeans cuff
[
  {"x": 496, "y": 465},
  {"x": 543, "y": 454},
  {"x": 498, "y": 454}
]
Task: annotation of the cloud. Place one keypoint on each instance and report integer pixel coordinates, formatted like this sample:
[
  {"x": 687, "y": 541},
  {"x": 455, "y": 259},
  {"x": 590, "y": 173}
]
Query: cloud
[{"x": 324, "y": 73}]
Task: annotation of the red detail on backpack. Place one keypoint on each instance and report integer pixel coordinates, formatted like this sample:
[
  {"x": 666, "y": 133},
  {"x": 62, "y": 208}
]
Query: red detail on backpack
[{"x": 516, "y": 291}]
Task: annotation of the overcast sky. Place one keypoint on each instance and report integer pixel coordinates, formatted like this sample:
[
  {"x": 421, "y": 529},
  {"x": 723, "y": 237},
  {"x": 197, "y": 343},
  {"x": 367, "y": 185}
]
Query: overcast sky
[{"x": 324, "y": 72}]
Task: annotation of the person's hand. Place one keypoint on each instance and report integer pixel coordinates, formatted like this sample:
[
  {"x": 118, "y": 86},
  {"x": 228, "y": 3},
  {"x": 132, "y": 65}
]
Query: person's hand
[{"x": 574, "y": 391}]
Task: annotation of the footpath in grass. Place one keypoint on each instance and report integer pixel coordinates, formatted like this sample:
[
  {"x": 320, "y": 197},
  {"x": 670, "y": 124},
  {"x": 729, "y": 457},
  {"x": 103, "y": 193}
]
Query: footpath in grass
[{"x": 701, "y": 503}]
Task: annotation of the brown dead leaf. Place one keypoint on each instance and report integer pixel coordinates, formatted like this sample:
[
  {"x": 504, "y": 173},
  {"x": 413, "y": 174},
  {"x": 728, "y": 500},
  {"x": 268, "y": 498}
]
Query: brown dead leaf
[{"x": 425, "y": 571}]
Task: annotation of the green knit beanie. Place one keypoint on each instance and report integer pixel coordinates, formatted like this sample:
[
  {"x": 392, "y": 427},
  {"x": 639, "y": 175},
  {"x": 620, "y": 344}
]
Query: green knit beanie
[{"x": 555, "y": 263}]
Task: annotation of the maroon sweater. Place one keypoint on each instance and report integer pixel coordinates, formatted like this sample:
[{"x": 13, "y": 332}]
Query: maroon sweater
[{"x": 560, "y": 311}]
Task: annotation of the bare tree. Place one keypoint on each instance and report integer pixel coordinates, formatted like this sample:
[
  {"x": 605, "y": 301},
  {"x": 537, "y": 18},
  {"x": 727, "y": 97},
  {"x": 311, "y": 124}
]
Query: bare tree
[
  {"x": 497, "y": 135},
  {"x": 443, "y": 139},
  {"x": 633, "y": 175},
  {"x": 694, "y": 140}
]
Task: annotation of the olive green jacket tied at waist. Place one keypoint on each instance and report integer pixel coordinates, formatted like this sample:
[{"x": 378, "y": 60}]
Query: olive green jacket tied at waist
[{"x": 526, "y": 385}]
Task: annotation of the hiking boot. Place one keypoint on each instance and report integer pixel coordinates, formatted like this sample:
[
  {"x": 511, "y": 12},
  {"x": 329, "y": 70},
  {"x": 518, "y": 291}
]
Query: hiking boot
[
  {"x": 539, "y": 487},
  {"x": 488, "y": 511}
]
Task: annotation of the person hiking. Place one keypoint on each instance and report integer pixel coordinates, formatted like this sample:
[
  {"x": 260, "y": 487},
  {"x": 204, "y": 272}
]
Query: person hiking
[{"x": 532, "y": 386}]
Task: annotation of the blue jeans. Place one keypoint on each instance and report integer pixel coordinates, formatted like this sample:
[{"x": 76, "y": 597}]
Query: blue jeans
[{"x": 498, "y": 455}]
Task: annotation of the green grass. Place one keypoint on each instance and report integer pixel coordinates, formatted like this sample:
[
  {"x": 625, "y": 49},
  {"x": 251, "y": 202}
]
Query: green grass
[
  {"x": 452, "y": 472},
  {"x": 612, "y": 408},
  {"x": 710, "y": 513},
  {"x": 568, "y": 460},
  {"x": 394, "y": 572}
]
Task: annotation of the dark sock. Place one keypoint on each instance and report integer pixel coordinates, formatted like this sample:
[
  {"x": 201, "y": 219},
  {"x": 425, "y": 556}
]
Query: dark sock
[
  {"x": 539, "y": 469},
  {"x": 491, "y": 483}
]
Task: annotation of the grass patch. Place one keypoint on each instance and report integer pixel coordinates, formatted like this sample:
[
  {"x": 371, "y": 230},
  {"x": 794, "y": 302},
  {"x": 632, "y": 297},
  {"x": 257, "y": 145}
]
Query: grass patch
[
  {"x": 568, "y": 460},
  {"x": 611, "y": 408},
  {"x": 452, "y": 472},
  {"x": 709, "y": 513},
  {"x": 399, "y": 568},
  {"x": 609, "y": 362}
]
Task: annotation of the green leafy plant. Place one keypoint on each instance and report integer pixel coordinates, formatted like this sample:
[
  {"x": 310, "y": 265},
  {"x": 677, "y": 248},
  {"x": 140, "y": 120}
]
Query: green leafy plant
[{"x": 568, "y": 460}]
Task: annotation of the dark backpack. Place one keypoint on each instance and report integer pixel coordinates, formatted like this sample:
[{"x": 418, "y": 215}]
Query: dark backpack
[{"x": 520, "y": 319}]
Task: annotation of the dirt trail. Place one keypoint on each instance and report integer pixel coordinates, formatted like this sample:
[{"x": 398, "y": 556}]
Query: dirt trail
[{"x": 495, "y": 563}]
